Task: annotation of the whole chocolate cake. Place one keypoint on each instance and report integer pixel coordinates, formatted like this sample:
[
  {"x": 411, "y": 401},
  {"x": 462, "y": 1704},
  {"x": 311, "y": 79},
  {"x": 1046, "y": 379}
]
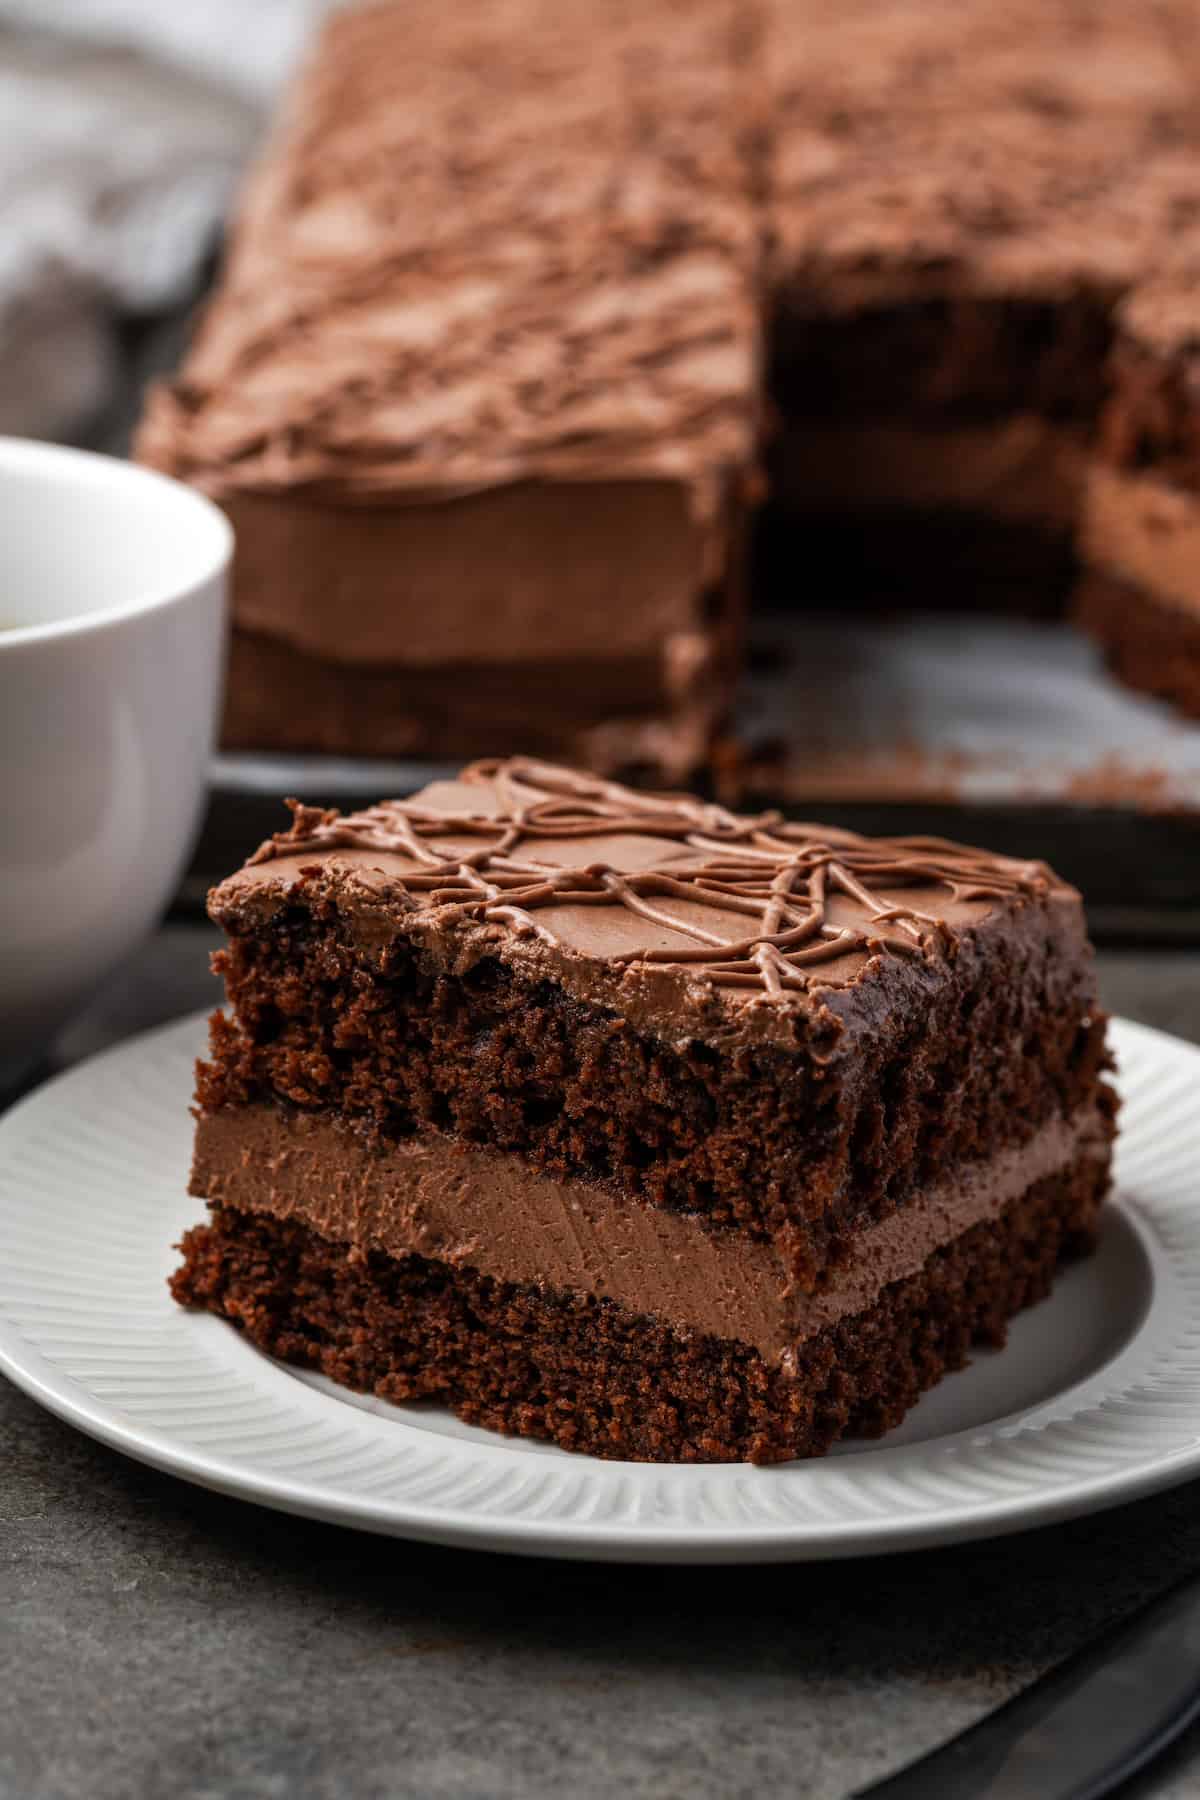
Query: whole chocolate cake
[
  {"x": 528, "y": 306},
  {"x": 622, "y": 1120}
]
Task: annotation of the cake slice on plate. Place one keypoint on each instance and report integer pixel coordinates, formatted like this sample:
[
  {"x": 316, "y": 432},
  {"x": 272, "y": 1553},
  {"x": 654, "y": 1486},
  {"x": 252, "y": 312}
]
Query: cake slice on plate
[{"x": 620, "y": 1120}]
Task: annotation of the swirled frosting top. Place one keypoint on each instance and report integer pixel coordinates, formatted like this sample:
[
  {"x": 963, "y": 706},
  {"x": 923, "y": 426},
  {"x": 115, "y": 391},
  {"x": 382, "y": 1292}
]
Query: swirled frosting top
[
  {"x": 1162, "y": 317},
  {"x": 1098, "y": 59},
  {"x": 531, "y": 240},
  {"x": 650, "y": 901},
  {"x": 920, "y": 148},
  {"x": 486, "y": 244},
  {"x": 898, "y": 208}
]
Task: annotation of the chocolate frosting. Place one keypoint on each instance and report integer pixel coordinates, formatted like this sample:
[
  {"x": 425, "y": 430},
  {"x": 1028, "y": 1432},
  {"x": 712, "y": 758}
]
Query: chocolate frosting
[
  {"x": 486, "y": 245},
  {"x": 1017, "y": 149},
  {"x": 1163, "y": 317},
  {"x": 1142, "y": 510},
  {"x": 553, "y": 569},
  {"x": 904, "y": 209},
  {"x": 664, "y": 905},
  {"x": 1146, "y": 531},
  {"x": 420, "y": 301},
  {"x": 1129, "y": 67}
]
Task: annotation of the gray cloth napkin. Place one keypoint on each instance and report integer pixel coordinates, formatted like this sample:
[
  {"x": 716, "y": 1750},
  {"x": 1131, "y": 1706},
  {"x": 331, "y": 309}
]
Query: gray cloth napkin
[{"x": 124, "y": 125}]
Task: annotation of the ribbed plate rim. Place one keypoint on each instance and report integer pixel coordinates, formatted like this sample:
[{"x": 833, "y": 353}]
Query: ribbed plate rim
[{"x": 1129, "y": 1430}]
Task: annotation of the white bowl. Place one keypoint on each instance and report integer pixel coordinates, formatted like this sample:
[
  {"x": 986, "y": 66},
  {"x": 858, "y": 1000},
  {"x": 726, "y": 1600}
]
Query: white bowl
[{"x": 112, "y": 614}]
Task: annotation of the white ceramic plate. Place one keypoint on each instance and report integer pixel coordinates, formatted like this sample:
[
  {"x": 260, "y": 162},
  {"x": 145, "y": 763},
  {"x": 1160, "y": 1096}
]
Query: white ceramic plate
[{"x": 1095, "y": 1400}]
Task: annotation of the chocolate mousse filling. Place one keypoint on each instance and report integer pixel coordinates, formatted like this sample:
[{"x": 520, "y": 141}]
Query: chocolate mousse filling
[{"x": 478, "y": 1210}]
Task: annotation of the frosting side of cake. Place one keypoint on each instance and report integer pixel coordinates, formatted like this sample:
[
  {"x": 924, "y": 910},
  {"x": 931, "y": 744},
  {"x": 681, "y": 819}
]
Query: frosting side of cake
[
  {"x": 420, "y": 301},
  {"x": 1133, "y": 68},
  {"x": 614, "y": 576}
]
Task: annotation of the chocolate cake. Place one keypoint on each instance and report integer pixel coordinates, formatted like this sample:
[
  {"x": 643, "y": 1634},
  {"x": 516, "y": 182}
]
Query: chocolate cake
[
  {"x": 952, "y": 216},
  {"x": 1141, "y": 595},
  {"x": 478, "y": 385},
  {"x": 624, "y": 1121},
  {"x": 524, "y": 302}
]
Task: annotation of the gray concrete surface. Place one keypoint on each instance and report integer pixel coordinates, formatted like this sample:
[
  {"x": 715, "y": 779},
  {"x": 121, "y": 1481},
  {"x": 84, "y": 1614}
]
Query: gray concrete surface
[{"x": 158, "y": 1640}]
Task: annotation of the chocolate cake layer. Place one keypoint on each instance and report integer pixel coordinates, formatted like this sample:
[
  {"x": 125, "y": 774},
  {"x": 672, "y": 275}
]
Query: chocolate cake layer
[
  {"x": 951, "y": 358},
  {"x": 296, "y": 701},
  {"x": 781, "y": 1027},
  {"x": 946, "y": 246},
  {"x": 1152, "y": 416},
  {"x": 897, "y": 559},
  {"x": 550, "y": 661},
  {"x": 592, "y": 1376},
  {"x": 488, "y": 255},
  {"x": 484, "y": 1211},
  {"x": 1141, "y": 528},
  {"x": 1150, "y": 644}
]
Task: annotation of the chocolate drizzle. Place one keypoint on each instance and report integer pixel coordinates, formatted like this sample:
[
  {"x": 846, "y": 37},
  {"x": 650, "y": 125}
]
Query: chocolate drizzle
[{"x": 779, "y": 875}]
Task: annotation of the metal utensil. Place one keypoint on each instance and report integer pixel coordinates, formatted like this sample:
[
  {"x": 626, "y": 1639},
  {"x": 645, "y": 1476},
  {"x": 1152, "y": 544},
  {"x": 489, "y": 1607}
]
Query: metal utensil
[{"x": 1082, "y": 1729}]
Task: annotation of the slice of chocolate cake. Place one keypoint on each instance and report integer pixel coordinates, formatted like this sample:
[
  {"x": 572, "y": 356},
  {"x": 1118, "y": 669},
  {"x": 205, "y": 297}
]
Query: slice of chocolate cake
[
  {"x": 621, "y": 1120},
  {"x": 478, "y": 388},
  {"x": 1140, "y": 596}
]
